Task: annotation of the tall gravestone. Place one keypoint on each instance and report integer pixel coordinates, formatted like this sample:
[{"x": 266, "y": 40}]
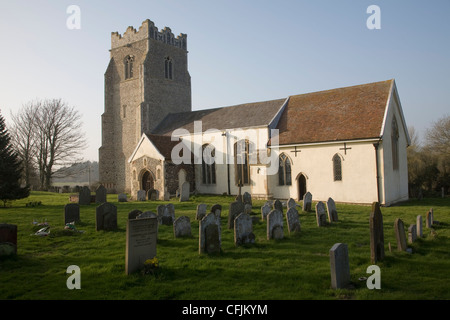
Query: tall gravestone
[
  {"x": 321, "y": 217},
  {"x": 140, "y": 243},
  {"x": 400, "y": 234},
  {"x": 339, "y": 266},
  {"x": 243, "y": 230},
  {"x": 106, "y": 217},
  {"x": 419, "y": 225},
  {"x": 277, "y": 205},
  {"x": 275, "y": 225},
  {"x": 376, "y": 234},
  {"x": 100, "y": 194},
  {"x": 235, "y": 209},
  {"x": 247, "y": 198},
  {"x": 265, "y": 209},
  {"x": 307, "y": 201},
  {"x": 8, "y": 239},
  {"x": 84, "y": 197},
  {"x": 412, "y": 233},
  {"x": 185, "y": 191},
  {"x": 331, "y": 209},
  {"x": 182, "y": 227},
  {"x": 209, "y": 234},
  {"x": 71, "y": 213},
  {"x": 201, "y": 211},
  {"x": 429, "y": 219},
  {"x": 292, "y": 219}
]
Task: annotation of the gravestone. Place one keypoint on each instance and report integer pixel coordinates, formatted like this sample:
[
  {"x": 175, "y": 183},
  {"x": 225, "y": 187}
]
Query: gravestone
[
  {"x": 292, "y": 219},
  {"x": 147, "y": 214},
  {"x": 71, "y": 213},
  {"x": 307, "y": 201},
  {"x": 100, "y": 194},
  {"x": 331, "y": 209},
  {"x": 339, "y": 266},
  {"x": 166, "y": 214},
  {"x": 182, "y": 227},
  {"x": 153, "y": 195},
  {"x": 217, "y": 210},
  {"x": 8, "y": 239},
  {"x": 412, "y": 233},
  {"x": 106, "y": 217},
  {"x": 275, "y": 225},
  {"x": 122, "y": 197},
  {"x": 185, "y": 190},
  {"x": 201, "y": 211},
  {"x": 376, "y": 234},
  {"x": 141, "y": 239},
  {"x": 321, "y": 217},
  {"x": 247, "y": 208},
  {"x": 134, "y": 213},
  {"x": 235, "y": 209},
  {"x": 243, "y": 230},
  {"x": 209, "y": 234},
  {"x": 400, "y": 234},
  {"x": 419, "y": 225},
  {"x": 84, "y": 197},
  {"x": 429, "y": 219},
  {"x": 141, "y": 196},
  {"x": 277, "y": 205},
  {"x": 265, "y": 209},
  {"x": 247, "y": 198},
  {"x": 291, "y": 203}
]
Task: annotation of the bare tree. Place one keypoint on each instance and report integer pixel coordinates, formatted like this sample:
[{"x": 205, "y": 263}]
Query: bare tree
[{"x": 438, "y": 136}]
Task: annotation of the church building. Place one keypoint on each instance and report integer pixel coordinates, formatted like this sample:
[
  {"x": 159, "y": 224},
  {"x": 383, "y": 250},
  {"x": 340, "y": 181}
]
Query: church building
[{"x": 347, "y": 143}]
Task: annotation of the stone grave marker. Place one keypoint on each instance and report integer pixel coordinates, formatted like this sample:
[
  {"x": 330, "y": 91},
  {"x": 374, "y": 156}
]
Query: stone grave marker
[
  {"x": 141, "y": 196},
  {"x": 293, "y": 220},
  {"x": 419, "y": 225},
  {"x": 275, "y": 225},
  {"x": 201, "y": 211},
  {"x": 166, "y": 214},
  {"x": 400, "y": 234},
  {"x": 277, "y": 205},
  {"x": 265, "y": 209},
  {"x": 339, "y": 266},
  {"x": 153, "y": 195},
  {"x": 122, "y": 197},
  {"x": 412, "y": 233},
  {"x": 331, "y": 209},
  {"x": 182, "y": 227},
  {"x": 247, "y": 208},
  {"x": 429, "y": 219},
  {"x": 147, "y": 214},
  {"x": 243, "y": 230},
  {"x": 141, "y": 240},
  {"x": 134, "y": 213},
  {"x": 321, "y": 217},
  {"x": 291, "y": 203},
  {"x": 247, "y": 198},
  {"x": 84, "y": 197},
  {"x": 376, "y": 234},
  {"x": 185, "y": 191},
  {"x": 217, "y": 210},
  {"x": 8, "y": 239},
  {"x": 209, "y": 234},
  {"x": 106, "y": 217},
  {"x": 71, "y": 213},
  {"x": 235, "y": 209},
  {"x": 100, "y": 194},
  {"x": 307, "y": 201}
]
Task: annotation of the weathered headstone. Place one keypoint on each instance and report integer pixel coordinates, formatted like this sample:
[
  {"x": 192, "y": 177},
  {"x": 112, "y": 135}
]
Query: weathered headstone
[
  {"x": 106, "y": 217},
  {"x": 100, "y": 194},
  {"x": 275, "y": 225},
  {"x": 140, "y": 243},
  {"x": 339, "y": 266},
  {"x": 376, "y": 234},
  {"x": 292, "y": 219},
  {"x": 419, "y": 226},
  {"x": 247, "y": 208},
  {"x": 166, "y": 214},
  {"x": 182, "y": 227},
  {"x": 412, "y": 233},
  {"x": 217, "y": 210},
  {"x": 429, "y": 219},
  {"x": 122, "y": 197},
  {"x": 147, "y": 214},
  {"x": 400, "y": 234},
  {"x": 235, "y": 209},
  {"x": 243, "y": 230},
  {"x": 84, "y": 197},
  {"x": 277, "y": 205},
  {"x": 209, "y": 234},
  {"x": 265, "y": 209},
  {"x": 321, "y": 217},
  {"x": 331, "y": 209},
  {"x": 141, "y": 196},
  {"x": 71, "y": 213},
  {"x": 247, "y": 198},
  {"x": 153, "y": 195},
  {"x": 201, "y": 211},
  {"x": 8, "y": 239},
  {"x": 307, "y": 201},
  {"x": 185, "y": 191},
  {"x": 134, "y": 213},
  {"x": 291, "y": 203}
]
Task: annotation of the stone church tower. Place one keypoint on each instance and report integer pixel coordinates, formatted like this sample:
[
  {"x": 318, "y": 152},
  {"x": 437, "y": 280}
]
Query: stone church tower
[{"x": 146, "y": 79}]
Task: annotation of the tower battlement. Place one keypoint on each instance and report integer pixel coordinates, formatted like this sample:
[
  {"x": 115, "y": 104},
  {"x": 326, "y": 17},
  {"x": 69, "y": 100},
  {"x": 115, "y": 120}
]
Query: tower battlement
[{"x": 148, "y": 31}]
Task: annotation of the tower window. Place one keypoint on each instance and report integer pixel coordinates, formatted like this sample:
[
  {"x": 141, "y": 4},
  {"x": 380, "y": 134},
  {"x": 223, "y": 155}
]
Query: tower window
[
  {"x": 129, "y": 60},
  {"x": 168, "y": 68}
]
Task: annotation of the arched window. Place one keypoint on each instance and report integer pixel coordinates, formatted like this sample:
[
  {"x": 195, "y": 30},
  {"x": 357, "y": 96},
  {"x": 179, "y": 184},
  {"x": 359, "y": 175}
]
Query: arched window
[
  {"x": 284, "y": 171},
  {"x": 129, "y": 60},
  {"x": 168, "y": 68},
  {"x": 241, "y": 163},
  {"x": 394, "y": 143},
  {"x": 337, "y": 167},
  {"x": 208, "y": 164}
]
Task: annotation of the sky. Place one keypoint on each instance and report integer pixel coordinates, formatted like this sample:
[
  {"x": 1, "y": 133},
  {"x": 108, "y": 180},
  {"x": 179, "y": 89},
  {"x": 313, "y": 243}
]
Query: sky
[{"x": 239, "y": 51}]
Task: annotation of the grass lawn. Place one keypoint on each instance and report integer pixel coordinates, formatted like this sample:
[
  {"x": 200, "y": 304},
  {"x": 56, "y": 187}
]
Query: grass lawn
[{"x": 294, "y": 268}]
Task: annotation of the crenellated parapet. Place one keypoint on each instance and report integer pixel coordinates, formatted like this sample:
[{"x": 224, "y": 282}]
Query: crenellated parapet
[{"x": 148, "y": 31}]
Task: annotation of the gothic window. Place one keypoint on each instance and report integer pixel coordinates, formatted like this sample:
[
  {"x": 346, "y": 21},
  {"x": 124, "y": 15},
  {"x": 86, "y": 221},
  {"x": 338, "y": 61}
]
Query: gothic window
[
  {"x": 394, "y": 143},
  {"x": 208, "y": 164},
  {"x": 337, "y": 167},
  {"x": 241, "y": 163},
  {"x": 168, "y": 68},
  {"x": 284, "y": 171},
  {"x": 129, "y": 60}
]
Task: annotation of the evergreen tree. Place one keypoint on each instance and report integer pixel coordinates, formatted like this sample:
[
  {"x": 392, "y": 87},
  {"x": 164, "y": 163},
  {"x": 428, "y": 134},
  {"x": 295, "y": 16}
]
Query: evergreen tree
[{"x": 10, "y": 169}]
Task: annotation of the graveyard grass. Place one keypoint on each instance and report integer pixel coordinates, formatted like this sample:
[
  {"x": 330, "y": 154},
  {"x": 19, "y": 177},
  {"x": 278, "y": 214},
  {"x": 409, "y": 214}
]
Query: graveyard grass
[{"x": 296, "y": 267}]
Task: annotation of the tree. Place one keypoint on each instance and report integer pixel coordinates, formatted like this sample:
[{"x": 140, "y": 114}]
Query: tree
[{"x": 10, "y": 169}]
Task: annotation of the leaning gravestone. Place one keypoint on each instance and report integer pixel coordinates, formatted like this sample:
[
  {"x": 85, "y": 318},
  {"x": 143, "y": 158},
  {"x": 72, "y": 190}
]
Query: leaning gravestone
[
  {"x": 134, "y": 213},
  {"x": 84, "y": 197},
  {"x": 419, "y": 226},
  {"x": 106, "y": 217},
  {"x": 321, "y": 217},
  {"x": 8, "y": 239},
  {"x": 275, "y": 225},
  {"x": 400, "y": 234},
  {"x": 100, "y": 194},
  {"x": 331, "y": 209},
  {"x": 265, "y": 209},
  {"x": 182, "y": 227},
  {"x": 71, "y": 213},
  {"x": 201, "y": 211},
  {"x": 209, "y": 234},
  {"x": 235, "y": 209},
  {"x": 292, "y": 219},
  {"x": 140, "y": 243},
  {"x": 185, "y": 190},
  {"x": 376, "y": 234},
  {"x": 243, "y": 230},
  {"x": 339, "y": 265},
  {"x": 307, "y": 201},
  {"x": 141, "y": 195}
]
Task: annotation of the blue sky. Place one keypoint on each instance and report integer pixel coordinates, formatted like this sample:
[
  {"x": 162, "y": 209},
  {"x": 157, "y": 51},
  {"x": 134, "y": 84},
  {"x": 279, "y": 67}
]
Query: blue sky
[{"x": 239, "y": 51}]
